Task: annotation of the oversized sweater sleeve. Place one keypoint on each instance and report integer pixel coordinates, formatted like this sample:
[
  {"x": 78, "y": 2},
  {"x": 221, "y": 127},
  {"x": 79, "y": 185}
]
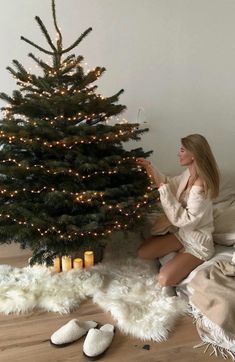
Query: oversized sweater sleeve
[
  {"x": 176, "y": 213},
  {"x": 172, "y": 181}
]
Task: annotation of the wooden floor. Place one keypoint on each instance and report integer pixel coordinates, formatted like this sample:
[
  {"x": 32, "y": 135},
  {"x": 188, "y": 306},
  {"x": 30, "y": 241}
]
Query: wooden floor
[{"x": 25, "y": 338}]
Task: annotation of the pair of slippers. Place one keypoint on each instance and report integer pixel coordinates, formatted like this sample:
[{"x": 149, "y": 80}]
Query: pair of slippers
[{"x": 97, "y": 340}]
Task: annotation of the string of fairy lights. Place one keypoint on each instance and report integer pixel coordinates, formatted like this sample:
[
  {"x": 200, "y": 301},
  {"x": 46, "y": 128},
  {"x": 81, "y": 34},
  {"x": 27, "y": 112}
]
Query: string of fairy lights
[
  {"x": 64, "y": 91},
  {"x": 66, "y": 236},
  {"x": 69, "y": 145},
  {"x": 69, "y": 171},
  {"x": 82, "y": 233},
  {"x": 63, "y": 67},
  {"x": 8, "y": 113},
  {"x": 76, "y": 117},
  {"x": 81, "y": 197}
]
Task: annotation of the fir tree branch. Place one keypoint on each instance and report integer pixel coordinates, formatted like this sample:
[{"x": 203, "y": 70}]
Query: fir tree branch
[
  {"x": 45, "y": 66},
  {"x": 92, "y": 76},
  {"x": 42, "y": 84},
  {"x": 95, "y": 121},
  {"x": 12, "y": 71},
  {"x": 78, "y": 79},
  {"x": 45, "y": 32},
  {"x": 36, "y": 46},
  {"x": 92, "y": 88},
  {"x": 20, "y": 67},
  {"x": 6, "y": 98},
  {"x": 86, "y": 32},
  {"x": 115, "y": 109},
  {"x": 18, "y": 99},
  {"x": 70, "y": 58},
  {"x": 28, "y": 88},
  {"x": 71, "y": 65},
  {"x": 59, "y": 41},
  {"x": 115, "y": 97}
]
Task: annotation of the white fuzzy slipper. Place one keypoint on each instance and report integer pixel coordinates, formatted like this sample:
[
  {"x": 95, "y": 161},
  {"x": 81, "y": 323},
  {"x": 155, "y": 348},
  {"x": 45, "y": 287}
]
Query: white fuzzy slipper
[
  {"x": 98, "y": 341},
  {"x": 71, "y": 332}
]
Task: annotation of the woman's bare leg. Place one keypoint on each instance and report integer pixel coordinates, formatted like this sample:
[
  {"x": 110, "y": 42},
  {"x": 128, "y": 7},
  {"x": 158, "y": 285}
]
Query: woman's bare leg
[
  {"x": 158, "y": 246},
  {"x": 177, "y": 269}
]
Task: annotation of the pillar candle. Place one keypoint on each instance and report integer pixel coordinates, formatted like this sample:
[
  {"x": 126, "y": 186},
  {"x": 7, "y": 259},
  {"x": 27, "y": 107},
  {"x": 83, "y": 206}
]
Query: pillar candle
[
  {"x": 88, "y": 258},
  {"x": 77, "y": 263},
  {"x": 56, "y": 263},
  {"x": 66, "y": 263}
]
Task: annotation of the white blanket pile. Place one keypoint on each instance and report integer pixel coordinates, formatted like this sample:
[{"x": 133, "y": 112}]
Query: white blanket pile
[{"x": 210, "y": 287}]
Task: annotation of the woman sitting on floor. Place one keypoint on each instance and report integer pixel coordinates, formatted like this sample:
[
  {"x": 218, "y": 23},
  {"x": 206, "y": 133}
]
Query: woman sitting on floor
[{"x": 187, "y": 203}]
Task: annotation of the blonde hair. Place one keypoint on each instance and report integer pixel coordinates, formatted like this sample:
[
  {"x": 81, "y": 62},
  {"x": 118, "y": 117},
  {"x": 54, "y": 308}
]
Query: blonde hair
[{"x": 206, "y": 166}]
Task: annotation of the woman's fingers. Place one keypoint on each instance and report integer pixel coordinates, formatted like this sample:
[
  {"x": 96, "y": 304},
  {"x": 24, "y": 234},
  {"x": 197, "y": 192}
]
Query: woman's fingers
[
  {"x": 139, "y": 160},
  {"x": 143, "y": 162},
  {"x": 148, "y": 167}
]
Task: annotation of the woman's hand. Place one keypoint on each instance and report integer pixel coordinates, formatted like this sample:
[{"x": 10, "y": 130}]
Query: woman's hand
[
  {"x": 148, "y": 167},
  {"x": 143, "y": 162},
  {"x": 146, "y": 164},
  {"x": 150, "y": 170}
]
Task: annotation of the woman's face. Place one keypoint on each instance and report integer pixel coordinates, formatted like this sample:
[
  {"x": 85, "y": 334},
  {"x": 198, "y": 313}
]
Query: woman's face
[{"x": 186, "y": 157}]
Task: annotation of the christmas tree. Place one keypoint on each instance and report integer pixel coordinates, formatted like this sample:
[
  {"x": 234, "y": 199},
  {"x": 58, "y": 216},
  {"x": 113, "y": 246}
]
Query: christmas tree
[{"x": 65, "y": 177}]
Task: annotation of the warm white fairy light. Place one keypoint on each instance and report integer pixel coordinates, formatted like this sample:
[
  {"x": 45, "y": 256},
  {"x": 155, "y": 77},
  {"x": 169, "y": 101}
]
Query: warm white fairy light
[
  {"x": 62, "y": 235},
  {"x": 70, "y": 172},
  {"x": 69, "y": 145},
  {"x": 82, "y": 197},
  {"x": 65, "y": 91},
  {"x": 54, "y": 72}
]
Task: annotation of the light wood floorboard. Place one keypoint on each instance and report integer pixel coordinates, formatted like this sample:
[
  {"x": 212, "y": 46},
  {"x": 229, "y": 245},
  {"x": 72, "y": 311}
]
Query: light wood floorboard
[{"x": 25, "y": 338}]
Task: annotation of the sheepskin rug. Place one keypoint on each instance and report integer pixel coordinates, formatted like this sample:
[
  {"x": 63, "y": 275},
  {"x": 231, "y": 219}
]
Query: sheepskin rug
[{"x": 122, "y": 284}]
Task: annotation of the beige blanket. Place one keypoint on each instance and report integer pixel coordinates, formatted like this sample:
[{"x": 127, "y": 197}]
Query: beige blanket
[{"x": 213, "y": 296}]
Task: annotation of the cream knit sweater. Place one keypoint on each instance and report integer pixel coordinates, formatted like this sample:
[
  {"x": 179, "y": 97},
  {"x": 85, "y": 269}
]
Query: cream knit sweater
[{"x": 193, "y": 218}]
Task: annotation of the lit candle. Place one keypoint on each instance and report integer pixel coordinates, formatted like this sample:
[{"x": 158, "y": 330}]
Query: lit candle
[
  {"x": 56, "y": 264},
  {"x": 88, "y": 258},
  {"x": 66, "y": 263},
  {"x": 77, "y": 263}
]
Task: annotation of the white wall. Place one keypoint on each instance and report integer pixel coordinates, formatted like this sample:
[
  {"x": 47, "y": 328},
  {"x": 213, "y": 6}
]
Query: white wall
[{"x": 174, "y": 58}]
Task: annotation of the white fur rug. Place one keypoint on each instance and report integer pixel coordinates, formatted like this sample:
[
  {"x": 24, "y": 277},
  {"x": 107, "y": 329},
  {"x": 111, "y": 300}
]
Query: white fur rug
[{"x": 122, "y": 284}]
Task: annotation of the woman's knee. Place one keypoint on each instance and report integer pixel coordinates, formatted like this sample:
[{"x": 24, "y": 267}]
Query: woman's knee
[
  {"x": 165, "y": 278},
  {"x": 143, "y": 252}
]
